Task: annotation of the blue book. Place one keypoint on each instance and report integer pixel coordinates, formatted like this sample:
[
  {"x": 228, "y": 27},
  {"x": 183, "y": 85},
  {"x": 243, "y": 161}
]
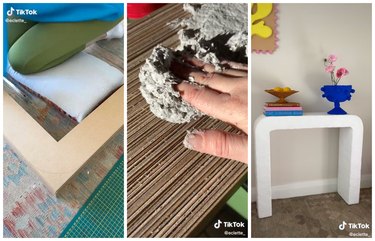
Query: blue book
[{"x": 283, "y": 113}]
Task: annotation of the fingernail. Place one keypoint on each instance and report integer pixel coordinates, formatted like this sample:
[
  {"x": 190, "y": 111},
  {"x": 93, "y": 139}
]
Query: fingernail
[
  {"x": 193, "y": 139},
  {"x": 181, "y": 87}
]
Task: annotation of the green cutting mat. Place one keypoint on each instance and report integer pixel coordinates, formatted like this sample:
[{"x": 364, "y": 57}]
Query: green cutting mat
[{"x": 103, "y": 213}]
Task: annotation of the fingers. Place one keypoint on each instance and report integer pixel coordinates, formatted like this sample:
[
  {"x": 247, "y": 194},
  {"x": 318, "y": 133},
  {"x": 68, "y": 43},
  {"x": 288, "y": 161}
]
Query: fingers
[
  {"x": 184, "y": 71},
  {"x": 207, "y": 100},
  {"x": 200, "y": 64},
  {"x": 210, "y": 68},
  {"x": 234, "y": 72},
  {"x": 235, "y": 65},
  {"x": 213, "y": 80},
  {"x": 223, "y": 106},
  {"x": 218, "y": 143}
]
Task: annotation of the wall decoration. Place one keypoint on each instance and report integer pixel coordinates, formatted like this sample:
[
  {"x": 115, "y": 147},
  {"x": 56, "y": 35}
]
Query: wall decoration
[{"x": 264, "y": 27}]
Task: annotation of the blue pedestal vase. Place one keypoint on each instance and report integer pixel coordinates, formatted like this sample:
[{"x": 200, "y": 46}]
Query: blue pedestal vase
[{"x": 337, "y": 94}]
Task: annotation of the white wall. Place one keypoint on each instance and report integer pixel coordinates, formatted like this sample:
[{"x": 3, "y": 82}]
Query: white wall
[{"x": 308, "y": 33}]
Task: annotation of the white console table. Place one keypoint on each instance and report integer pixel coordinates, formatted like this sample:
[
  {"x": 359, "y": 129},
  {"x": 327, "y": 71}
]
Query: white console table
[{"x": 350, "y": 153}]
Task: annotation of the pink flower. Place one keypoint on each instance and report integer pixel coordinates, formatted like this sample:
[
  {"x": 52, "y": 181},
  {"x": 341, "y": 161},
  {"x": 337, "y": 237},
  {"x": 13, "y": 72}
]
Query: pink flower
[
  {"x": 330, "y": 68},
  {"x": 341, "y": 72},
  {"x": 332, "y": 58}
]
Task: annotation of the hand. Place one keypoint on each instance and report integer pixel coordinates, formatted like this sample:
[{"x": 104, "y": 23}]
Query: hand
[{"x": 224, "y": 96}]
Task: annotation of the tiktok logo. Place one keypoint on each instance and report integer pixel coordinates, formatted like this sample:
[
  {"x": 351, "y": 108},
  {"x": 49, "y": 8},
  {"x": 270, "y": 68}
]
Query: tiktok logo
[
  {"x": 10, "y": 11},
  {"x": 217, "y": 224},
  {"x": 342, "y": 226}
]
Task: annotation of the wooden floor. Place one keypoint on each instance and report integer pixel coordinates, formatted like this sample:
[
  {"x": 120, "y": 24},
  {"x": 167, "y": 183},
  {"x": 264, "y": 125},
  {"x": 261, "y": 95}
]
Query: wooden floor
[{"x": 171, "y": 190}]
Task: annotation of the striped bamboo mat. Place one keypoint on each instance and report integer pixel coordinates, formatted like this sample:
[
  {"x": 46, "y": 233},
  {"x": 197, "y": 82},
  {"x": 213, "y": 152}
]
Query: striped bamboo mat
[{"x": 171, "y": 190}]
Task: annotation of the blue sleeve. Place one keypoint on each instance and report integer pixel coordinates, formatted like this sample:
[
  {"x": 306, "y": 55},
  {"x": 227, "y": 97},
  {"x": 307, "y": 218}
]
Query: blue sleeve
[{"x": 65, "y": 12}]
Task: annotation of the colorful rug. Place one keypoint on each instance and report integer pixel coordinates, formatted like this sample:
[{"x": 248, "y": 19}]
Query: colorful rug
[
  {"x": 31, "y": 210},
  {"x": 102, "y": 216}
]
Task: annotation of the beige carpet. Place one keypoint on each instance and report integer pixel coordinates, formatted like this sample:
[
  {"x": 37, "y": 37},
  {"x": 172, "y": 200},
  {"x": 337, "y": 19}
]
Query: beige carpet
[{"x": 313, "y": 216}]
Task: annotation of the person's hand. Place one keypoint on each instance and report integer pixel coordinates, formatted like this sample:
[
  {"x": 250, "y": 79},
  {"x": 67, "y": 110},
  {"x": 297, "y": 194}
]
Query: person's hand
[{"x": 224, "y": 96}]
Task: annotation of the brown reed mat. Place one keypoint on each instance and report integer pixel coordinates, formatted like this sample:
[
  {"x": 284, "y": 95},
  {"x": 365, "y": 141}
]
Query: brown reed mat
[{"x": 171, "y": 190}]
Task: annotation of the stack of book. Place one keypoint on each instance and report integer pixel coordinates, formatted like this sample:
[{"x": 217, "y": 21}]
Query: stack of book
[{"x": 282, "y": 109}]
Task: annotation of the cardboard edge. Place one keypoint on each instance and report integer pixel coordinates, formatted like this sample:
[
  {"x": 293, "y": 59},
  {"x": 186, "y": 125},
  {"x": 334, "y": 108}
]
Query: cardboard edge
[{"x": 41, "y": 151}]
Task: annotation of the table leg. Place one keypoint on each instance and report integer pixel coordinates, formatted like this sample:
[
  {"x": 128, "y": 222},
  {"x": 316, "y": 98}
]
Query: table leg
[
  {"x": 349, "y": 166},
  {"x": 263, "y": 173}
]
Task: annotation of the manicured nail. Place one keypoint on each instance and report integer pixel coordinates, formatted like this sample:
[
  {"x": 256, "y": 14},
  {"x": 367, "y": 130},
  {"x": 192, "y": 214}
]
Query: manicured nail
[{"x": 193, "y": 139}]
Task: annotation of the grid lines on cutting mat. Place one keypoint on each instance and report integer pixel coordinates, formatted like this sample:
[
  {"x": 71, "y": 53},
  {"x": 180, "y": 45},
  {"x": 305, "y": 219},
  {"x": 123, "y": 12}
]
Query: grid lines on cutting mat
[{"x": 103, "y": 213}]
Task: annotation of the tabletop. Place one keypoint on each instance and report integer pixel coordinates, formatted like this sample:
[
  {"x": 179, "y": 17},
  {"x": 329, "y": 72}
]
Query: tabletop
[
  {"x": 307, "y": 120},
  {"x": 171, "y": 190}
]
